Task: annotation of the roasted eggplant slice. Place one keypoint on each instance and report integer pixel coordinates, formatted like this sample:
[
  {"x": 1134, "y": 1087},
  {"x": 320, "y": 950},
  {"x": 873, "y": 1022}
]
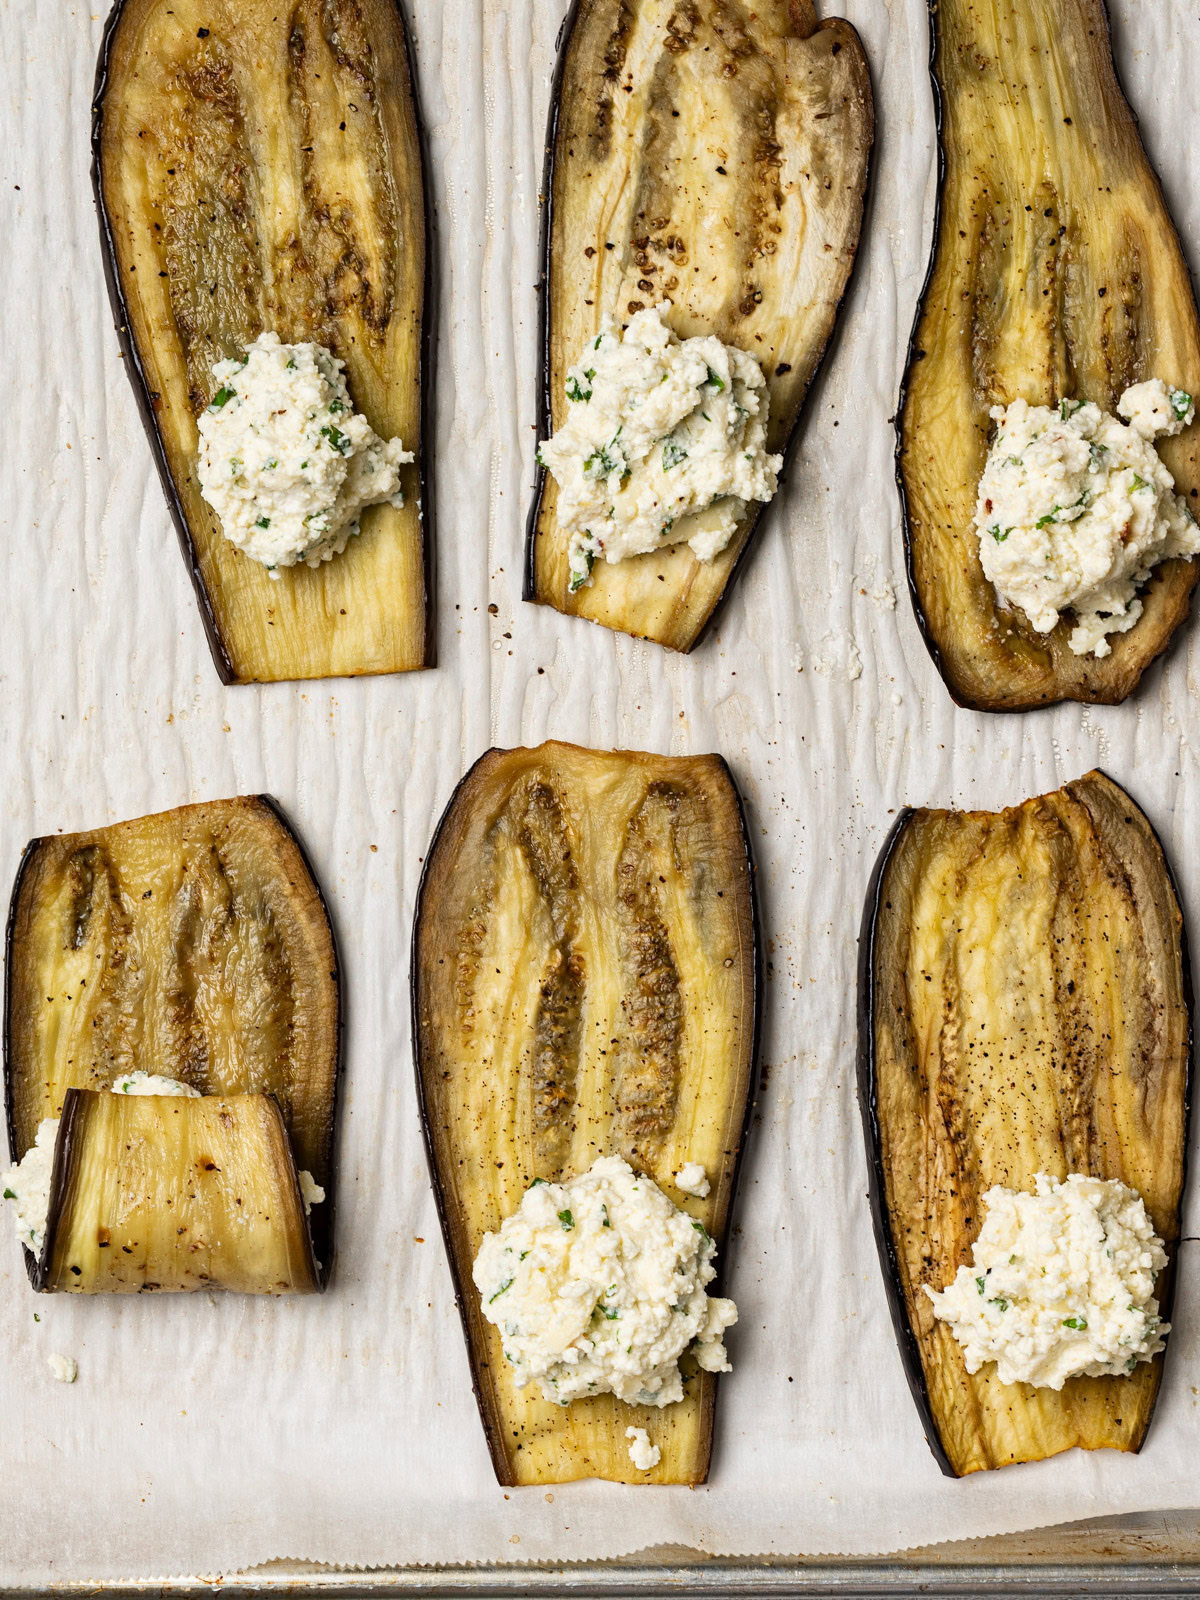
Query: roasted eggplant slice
[
  {"x": 1056, "y": 273},
  {"x": 1024, "y": 1007},
  {"x": 584, "y": 984},
  {"x": 156, "y": 1192},
  {"x": 716, "y": 156},
  {"x": 259, "y": 167},
  {"x": 195, "y": 945}
]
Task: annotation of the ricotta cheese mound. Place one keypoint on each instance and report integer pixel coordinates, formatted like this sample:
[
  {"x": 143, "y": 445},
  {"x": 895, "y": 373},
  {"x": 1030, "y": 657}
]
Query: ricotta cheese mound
[
  {"x": 26, "y": 1186},
  {"x": 1075, "y": 509},
  {"x": 598, "y": 1287},
  {"x": 152, "y": 1083},
  {"x": 285, "y": 461},
  {"x": 64, "y": 1368},
  {"x": 642, "y": 1453},
  {"x": 664, "y": 441},
  {"x": 1061, "y": 1284}
]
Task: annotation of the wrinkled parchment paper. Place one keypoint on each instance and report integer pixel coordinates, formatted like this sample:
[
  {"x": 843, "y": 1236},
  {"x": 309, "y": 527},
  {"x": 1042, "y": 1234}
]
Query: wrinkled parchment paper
[{"x": 206, "y": 1434}]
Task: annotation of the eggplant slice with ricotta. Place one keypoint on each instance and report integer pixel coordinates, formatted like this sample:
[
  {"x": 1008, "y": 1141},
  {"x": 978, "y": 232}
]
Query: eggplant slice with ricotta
[
  {"x": 1056, "y": 274},
  {"x": 584, "y": 984},
  {"x": 1024, "y": 1007},
  {"x": 155, "y": 1192},
  {"x": 714, "y": 155},
  {"x": 259, "y": 168},
  {"x": 193, "y": 945}
]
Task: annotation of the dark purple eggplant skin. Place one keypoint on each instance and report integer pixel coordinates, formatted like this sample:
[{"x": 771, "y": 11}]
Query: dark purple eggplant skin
[
  {"x": 423, "y": 1109},
  {"x": 912, "y": 356},
  {"x": 141, "y": 388},
  {"x": 38, "y": 1266},
  {"x": 544, "y": 429},
  {"x": 910, "y": 1355},
  {"x": 321, "y": 1230}
]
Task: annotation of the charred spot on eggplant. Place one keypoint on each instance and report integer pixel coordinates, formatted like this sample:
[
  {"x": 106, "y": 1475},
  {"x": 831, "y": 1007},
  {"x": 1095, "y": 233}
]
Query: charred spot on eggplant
[
  {"x": 260, "y": 168},
  {"x": 1024, "y": 1007},
  {"x": 193, "y": 944},
  {"x": 663, "y": 118},
  {"x": 164, "y": 1194},
  {"x": 584, "y": 983},
  {"x": 1056, "y": 274}
]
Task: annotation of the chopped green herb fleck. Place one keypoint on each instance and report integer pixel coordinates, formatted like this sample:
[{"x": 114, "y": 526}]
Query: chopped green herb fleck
[
  {"x": 222, "y": 397},
  {"x": 1180, "y": 403},
  {"x": 715, "y": 380},
  {"x": 1074, "y": 1322},
  {"x": 600, "y": 464},
  {"x": 673, "y": 454},
  {"x": 567, "y": 1220},
  {"x": 9, "y": 1194},
  {"x": 998, "y": 535},
  {"x": 263, "y": 522},
  {"x": 579, "y": 578},
  {"x": 576, "y": 391},
  {"x": 507, "y": 1284}
]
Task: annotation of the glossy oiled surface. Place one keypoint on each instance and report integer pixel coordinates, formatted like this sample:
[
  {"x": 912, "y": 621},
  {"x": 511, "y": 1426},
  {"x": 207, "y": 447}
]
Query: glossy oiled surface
[
  {"x": 714, "y": 155},
  {"x": 260, "y": 170},
  {"x": 160, "y": 1194},
  {"x": 584, "y": 986},
  {"x": 1057, "y": 273},
  {"x": 1029, "y": 1015}
]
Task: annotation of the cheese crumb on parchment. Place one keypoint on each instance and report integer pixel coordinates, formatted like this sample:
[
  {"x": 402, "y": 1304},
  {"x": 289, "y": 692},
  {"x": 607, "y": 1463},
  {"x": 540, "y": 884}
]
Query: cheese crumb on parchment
[
  {"x": 598, "y": 1286},
  {"x": 64, "y": 1368},
  {"x": 665, "y": 440},
  {"x": 285, "y": 461},
  {"x": 1075, "y": 509},
  {"x": 1061, "y": 1283}
]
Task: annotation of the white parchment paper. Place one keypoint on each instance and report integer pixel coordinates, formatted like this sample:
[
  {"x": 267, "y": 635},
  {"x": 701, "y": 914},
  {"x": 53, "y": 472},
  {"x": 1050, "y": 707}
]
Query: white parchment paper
[{"x": 207, "y": 1434}]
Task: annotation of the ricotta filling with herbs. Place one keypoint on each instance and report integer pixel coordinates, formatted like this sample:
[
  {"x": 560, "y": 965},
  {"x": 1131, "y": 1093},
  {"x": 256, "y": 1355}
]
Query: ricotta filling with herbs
[
  {"x": 26, "y": 1185},
  {"x": 1061, "y": 1284},
  {"x": 598, "y": 1287},
  {"x": 285, "y": 461},
  {"x": 1076, "y": 508},
  {"x": 665, "y": 440}
]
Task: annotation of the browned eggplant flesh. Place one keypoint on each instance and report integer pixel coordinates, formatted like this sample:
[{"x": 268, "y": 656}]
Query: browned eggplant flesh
[
  {"x": 258, "y": 168},
  {"x": 714, "y": 156},
  {"x": 155, "y": 1192},
  {"x": 584, "y": 984},
  {"x": 1025, "y": 1008},
  {"x": 193, "y": 945},
  {"x": 1056, "y": 275}
]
